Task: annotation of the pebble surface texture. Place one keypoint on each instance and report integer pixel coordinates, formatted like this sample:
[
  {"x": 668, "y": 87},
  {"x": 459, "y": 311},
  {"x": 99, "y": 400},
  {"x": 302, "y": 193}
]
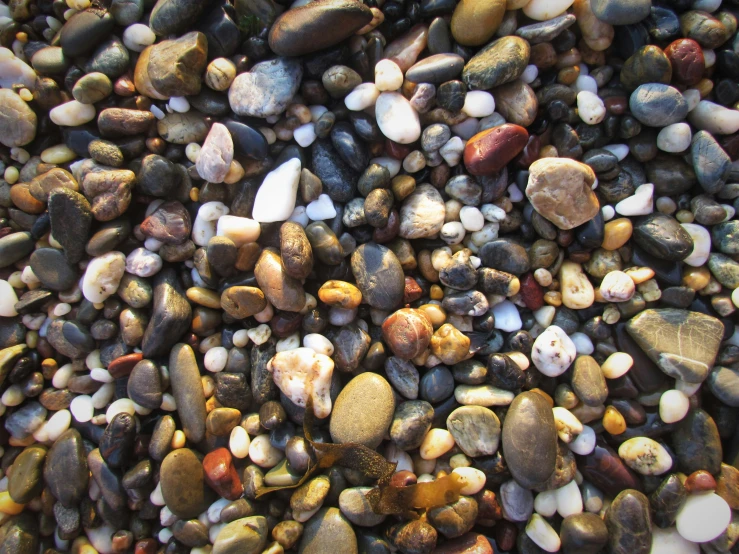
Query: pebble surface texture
[{"x": 369, "y": 276}]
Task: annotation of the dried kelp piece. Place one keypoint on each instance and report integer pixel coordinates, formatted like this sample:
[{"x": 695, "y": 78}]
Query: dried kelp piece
[{"x": 384, "y": 498}]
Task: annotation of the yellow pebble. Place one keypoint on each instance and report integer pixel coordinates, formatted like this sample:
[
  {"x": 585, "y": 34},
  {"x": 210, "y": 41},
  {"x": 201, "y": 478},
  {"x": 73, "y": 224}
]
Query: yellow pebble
[
  {"x": 11, "y": 174},
  {"x": 613, "y": 422},
  {"x": 235, "y": 172},
  {"x": 25, "y": 94},
  {"x": 685, "y": 216},
  {"x": 194, "y": 194},
  {"x": 437, "y": 293},
  {"x": 696, "y": 278},
  {"x": 21, "y": 37},
  {"x": 204, "y": 297},
  {"x": 553, "y": 298},
  {"x": 548, "y": 151},
  {"x": 617, "y": 232},
  {"x": 7, "y": 506},
  {"x": 178, "y": 440},
  {"x": 435, "y": 313},
  {"x": 545, "y": 396},
  {"x": 58, "y": 154}
]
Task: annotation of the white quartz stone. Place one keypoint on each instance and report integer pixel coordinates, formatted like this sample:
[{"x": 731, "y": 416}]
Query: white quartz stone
[
  {"x": 396, "y": 118},
  {"x": 276, "y": 197}
]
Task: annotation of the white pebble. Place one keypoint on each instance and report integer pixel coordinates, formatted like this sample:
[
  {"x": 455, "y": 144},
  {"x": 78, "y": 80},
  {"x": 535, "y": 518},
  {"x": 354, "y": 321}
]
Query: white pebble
[
  {"x": 8, "y": 299},
  {"x": 179, "y": 104},
  {"x": 275, "y": 199},
  {"x": 590, "y": 107},
  {"x": 553, "y": 351},
  {"x": 101, "y": 375},
  {"x": 436, "y": 443},
  {"x": 57, "y": 424},
  {"x": 138, "y": 36},
  {"x": 617, "y": 286},
  {"x": 260, "y": 334},
  {"x": 288, "y": 343},
  {"x": 471, "y": 218},
  {"x": 103, "y": 275},
  {"x": 262, "y": 453},
  {"x": 143, "y": 262},
  {"x": 584, "y": 444},
  {"x": 478, "y": 103},
  {"x": 674, "y": 138},
  {"x": 569, "y": 499},
  {"x": 507, "y": 316},
  {"x": 62, "y": 376},
  {"x": 318, "y": 343},
  {"x": 545, "y": 503},
  {"x": 640, "y": 203},
  {"x": 215, "y": 359},
  {"x": 452, "y": 232},
  {"x": 321, "y": 208},
  {"x": 529, "y": 74},
  {"x": 703, "y": 517},
  {"x": 567, "y": 425},
  {"x": 472, "y": 480},
  {"x": 618, "y": 150},
  {"x": 241, "y": 230},
  {"x": 241, "y": 338},
  {"x": 391, "y": 164},
  {"x": 585, "y": 83},
  {"x": 122, "y": 405},
  {"x": 616, "y": 365},
  {"x": 81, "y": 408},
  {"x": 102, "y": 397},
  {"x": 305, "y": 135},
  {"x": 673, "y": 406},
  {"x": 362, "y": 97},
  {"x": 645, "y": 456},
  {"x": 239, "y": 442},
  {"x": 12, "y": 396},
  {"x": 388, "y": 76},
  {"x": 608, "y": 212},
  {"x": 396, "y": 117},
  {"x": 214, "y": 510},
  {"x": 72, "y": 114},
  {"x": 541, "y": 533},
  {"x": 701, "y": 244},
  {"x": 669, "y": 541},
  {"x": 583, "y": 344}
]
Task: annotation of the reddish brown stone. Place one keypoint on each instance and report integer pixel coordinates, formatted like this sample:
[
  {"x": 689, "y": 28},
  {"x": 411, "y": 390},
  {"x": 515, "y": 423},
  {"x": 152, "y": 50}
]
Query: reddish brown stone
[
  {"x": 381, "y": 235},
  {"x": 490, "y": 151},
  {"x": 412, "y": 291},
  {"x": 407, "y": 332},
  {"x": 506, "y": 534},
  {"x": 395, "y": 150},
  {"x": 532, "y": 293},
  {"x": 284, "y": 324},
  {"x": 530, "y": 152},
  {"x": 727, "y": 485},
  {"x": 488, "y": 507},
  {"x": 146, "y": 546},
  {"x": 730, "y": 144},
  {"x": 221, "y": 474},
  {"x": 615, "y": 104},
  {"x": 170, "y": 223},
  {"x": 700, "y": 481},
  {"x": 471, "y": 543},
  {"x": 688, "y": 63},
  {"x": 5, "y": 231},
  {"x": 403, "y": 478},
  {"x": 120, "y": 367}
]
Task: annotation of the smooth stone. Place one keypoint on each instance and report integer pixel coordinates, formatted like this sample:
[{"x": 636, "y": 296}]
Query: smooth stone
[
  {"x": 17, "y": 120},
  {"x": 170, "y": 317},
  {"x": 697, "y": 444},
  {"x": 66, "y": 472},
  {"x": 84, "y": 31},
  {"x": 658, "y": 105},
  {"x": 316, "y": 26},
  {"x": 267, "y": 89},
  {"x": 703, "y": 518},
  {"x": 170, "y": 223},
  {"x": 711, "y": 163},
  {"x": 475, "y": 23},
  {"x": 346, "y": 142},
  {"x": 411, "y": 421},
  {"x": 476, "y": 430},
  {"x": 52, "y": 269},
  {"x": 247, "y": 140},
  {"x": 145, "y": 385},
  {"x": 588, "y": 381},
  {"x": 14, "y": 247},
  {"x": 188, "y": 391},
  {"x": 407, "y": 332},
  {"x": 171, "y": 17},
  {"x": 683, "y": 344},
  {"x": 515, "y": 101},
  {"x": 621, "y": 12},
  {"x": 723, "y": 382},
  {"x": 662, "y": 236},
  {"x": 437, "y": 68},
  {"x": 328, "y": 531},
  {"x": 505, "y": 255},
  {"x": 26, "y": 480},
  {"x": 422, "y": 213},
  {"x": 379, "y": 275},
  {"x": 490, "y": 151},
  {"x": 551, "y": 180},
  {"x": 247, "y": 535},
  {"x": 500, "y": 62},
  {"x": 546, "y": 30},
  {"x": 338, "y": 178},
  {"x": 70, "y": 215},
  {"x": 584, "y": 533},
  {"x": 648, "y": 65},
  {"x": 216, "y": 154},
  {"x": 629, "y": 523},
  {"x": 356, "y": 507},
  {"x": 687, "y": 60},
  {"x": 275, "y": 199},
  {"x": 351, "y": 423},
  {"x": 183, "y": 466},
  {"x": 283, "y": 291},
  {"x": 666, "y": 500},
  {"x": 396, "y": 118},
  {"x": 529, "y": 439}
]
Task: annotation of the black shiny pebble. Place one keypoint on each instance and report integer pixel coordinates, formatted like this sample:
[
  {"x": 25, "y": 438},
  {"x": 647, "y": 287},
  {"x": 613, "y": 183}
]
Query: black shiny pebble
[{"x": 247, "y": 140}]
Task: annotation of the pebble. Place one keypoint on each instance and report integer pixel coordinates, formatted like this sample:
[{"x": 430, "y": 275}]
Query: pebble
[
  {"x": 267, "y": 89},
  {"x": 500, "y": 62},
  {"x": 103, "y": 275},
  {"x": 303, "y": 373},
  {"x": 18, "y": 121},
  {"x": 370, "y": 428},
  {"x": 216, "y": 154},
  {"x": 703, "y": 517},
  {"x": 396, "y": 118},
  {"x": 276, "y": 197}
]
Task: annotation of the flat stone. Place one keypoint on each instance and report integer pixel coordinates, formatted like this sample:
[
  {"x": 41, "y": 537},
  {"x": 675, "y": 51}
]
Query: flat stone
[
  {"x": 316, "y": 26},
  {"x": 379, "y": 275},
  {"x": 145, "y": 385},
  {"x": 662, "y": 236},
  {"x": 26, "y": 480},
  {"x": 490, "y": 151},
  {"x": 171, "y": 17},
  {"x": 247, "y": 535},
  {"x": 52, "y": 269},
  {"x": 500, "y": 62},
  {"x": 188, "y": 391},
  {"x": 422, "y": 213},
  {"x": 267, "y": 89},
  {"x": 170, "y": 315},
  {"x": 475, "y": 23},
  {"x": 683, "y": 344},
  {"x": 658, "y": 105},
  {"x": 71, "y": 217},
  {"x": 476, "y": 430},
  {"x": 65, "y": 472},
  {"x": 183, "y": 466},
  {"x": 17, "y": 120},
  {"x": 282, "y": 291},
  {"x": 216, "y": 154},
  {"x": 621, "y": 12},
  {"x": 629, "y": 523},
  {"x": 328, "y": 531},
  {"x": 697, "y": 444},
  {"x": 530, "y": 439},
  {"x": 350, "y": 422}
]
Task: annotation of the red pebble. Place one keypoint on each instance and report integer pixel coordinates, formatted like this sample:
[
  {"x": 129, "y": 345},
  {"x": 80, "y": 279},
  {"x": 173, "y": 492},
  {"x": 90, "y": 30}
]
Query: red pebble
[
  {"x": 531, "y": 292},
  {"x": 395, "y": 150},
  {"x": 221, "y": 474},
  {"x": 488, "y": 506},
  {"x": 506, "y": 534},
  {"x": 403, "y": 478},
  {"x": 471, "y": 543},
  {"x": 491, "y": 150},
  {"x": 122, "y": 366},
  {"x": 700, "y": 481},
  {"x": 687, "y": 60},
  {"x": 146, "y": 546},
  {"x": 412, "y": 291}
]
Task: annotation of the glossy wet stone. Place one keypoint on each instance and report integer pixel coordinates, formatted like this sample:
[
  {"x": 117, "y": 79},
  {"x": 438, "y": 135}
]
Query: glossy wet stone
[
  {"x": 188, "y": 391},
  {"x": 629, "y": 523},
  {"x": 183, "y": 466},
  {"x": 65, "y": 471},
  {"x": 370, "y": 428}
]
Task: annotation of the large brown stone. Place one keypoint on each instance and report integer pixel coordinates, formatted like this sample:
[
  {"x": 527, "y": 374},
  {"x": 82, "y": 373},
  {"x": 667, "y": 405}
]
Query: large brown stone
[{"x": 489, "y": 151}]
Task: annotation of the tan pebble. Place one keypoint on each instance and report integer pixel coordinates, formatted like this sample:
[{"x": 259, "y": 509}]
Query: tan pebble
[
  {"x": 613, "y": 422},
  {"x": 617, "y": 232}
]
